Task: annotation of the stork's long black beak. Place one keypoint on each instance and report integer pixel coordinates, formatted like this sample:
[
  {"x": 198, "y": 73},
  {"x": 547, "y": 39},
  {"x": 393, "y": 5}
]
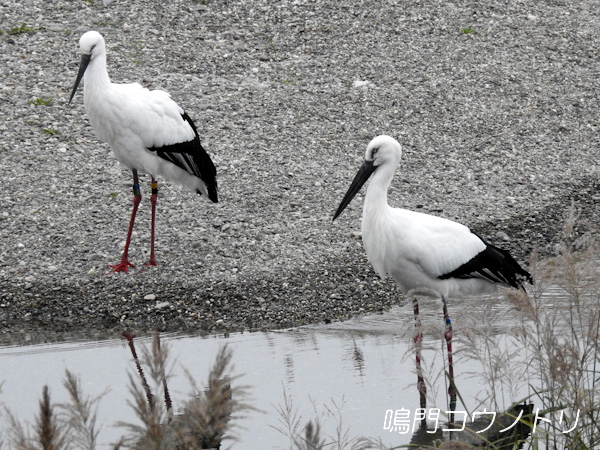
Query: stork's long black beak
[
  {"x": 361, "y": 177},
  {"x": 85, "y": 60}
]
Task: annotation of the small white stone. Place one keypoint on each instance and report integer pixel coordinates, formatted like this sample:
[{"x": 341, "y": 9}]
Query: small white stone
[
  {"x": 502, "y": 235},
  {"x": 161, "y": 305},
  {"x": 150, "y": 297},
  {"x": 361, "y": 83}
]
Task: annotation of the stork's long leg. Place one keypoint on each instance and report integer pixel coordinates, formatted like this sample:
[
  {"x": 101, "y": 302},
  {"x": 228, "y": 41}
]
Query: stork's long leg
[
  {"x": 124, "y": 265},
  {"x": 418, "y": 340},
  {"x": 153, "y": 198},
  {"x": 448, "y": 337}
]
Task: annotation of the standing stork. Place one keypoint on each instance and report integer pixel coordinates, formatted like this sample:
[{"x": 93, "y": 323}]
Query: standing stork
[
  {"x": 424, "y": 252},
  {"x": 147, "y": 132}
]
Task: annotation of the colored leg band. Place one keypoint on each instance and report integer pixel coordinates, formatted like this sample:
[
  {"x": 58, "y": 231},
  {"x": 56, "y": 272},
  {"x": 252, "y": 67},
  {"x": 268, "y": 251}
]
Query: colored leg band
[
  {"x": 154, "y": 187},
  {"x": 136, "y": 189}
]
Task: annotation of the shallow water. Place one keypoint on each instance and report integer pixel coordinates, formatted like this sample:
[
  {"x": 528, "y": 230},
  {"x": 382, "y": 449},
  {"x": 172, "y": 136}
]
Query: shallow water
[{"x": 353, "y": 372}]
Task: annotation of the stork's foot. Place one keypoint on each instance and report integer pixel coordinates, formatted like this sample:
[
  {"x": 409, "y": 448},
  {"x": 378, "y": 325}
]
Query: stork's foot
[
  {"x": 151, "y": 262},
  {"x": 123, "y": 266}
]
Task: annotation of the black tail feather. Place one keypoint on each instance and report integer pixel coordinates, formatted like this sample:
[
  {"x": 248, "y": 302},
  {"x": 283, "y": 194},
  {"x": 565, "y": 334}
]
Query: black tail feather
[
  {"x": 208, "y": 171},
  {"x": 495, "y": 265},
  {"x": 191, "y": 157}
]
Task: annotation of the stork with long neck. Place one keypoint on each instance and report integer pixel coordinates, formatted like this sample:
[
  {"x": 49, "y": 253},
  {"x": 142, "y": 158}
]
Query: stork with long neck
[
  {"x": 422, "y": 252},
  {"x": 147, "y": 132}
]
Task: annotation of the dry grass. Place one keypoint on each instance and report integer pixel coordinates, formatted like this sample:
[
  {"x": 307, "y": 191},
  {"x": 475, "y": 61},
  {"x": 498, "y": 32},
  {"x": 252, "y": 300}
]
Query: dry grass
[
  {"x": 202, "y": 424},
  {"x": 311, "y": 439},
  {"x": 80, "y": 414},
  {"x": 560, "y": 332},
  {"x": 204, "y": 418},
  {"x": 49, "y": 431},
  {"x": 555, "y": 350},
  {"x": 311, "y": 436}
]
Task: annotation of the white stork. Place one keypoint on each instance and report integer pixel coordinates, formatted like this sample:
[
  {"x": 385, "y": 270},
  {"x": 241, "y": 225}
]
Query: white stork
[
  {"x": 424, "y": 252},
  {"x": 147, "y": 132}
]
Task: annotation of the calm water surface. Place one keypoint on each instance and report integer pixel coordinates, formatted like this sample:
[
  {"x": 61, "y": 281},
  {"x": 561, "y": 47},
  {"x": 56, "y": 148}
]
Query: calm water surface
[{"x": 353, "y": 371}]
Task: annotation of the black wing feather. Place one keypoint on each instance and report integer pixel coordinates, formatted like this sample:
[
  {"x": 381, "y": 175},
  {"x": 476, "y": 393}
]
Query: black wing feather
[
  {"x": 492, "y": 264},
  {"x": 191, "y": 157}
]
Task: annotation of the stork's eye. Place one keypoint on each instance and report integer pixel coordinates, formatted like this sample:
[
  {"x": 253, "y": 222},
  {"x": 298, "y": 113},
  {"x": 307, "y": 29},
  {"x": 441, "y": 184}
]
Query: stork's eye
[{"x": 374, "y": 151}]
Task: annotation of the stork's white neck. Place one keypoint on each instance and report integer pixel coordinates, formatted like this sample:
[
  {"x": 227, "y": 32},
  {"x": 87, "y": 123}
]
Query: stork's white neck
[
  {"x": 96, "y": 76},
  {"x": 376, "y": 197}
]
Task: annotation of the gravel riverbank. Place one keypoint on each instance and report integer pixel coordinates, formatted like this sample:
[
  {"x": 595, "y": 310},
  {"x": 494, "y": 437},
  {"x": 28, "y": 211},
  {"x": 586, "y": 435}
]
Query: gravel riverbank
[{"x": 495, "y": 104}]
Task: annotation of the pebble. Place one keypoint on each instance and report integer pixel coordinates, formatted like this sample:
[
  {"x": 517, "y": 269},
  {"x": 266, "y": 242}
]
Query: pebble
[
  {"x": 361, "y": 83},
  {"x": 502, "y": 236}
]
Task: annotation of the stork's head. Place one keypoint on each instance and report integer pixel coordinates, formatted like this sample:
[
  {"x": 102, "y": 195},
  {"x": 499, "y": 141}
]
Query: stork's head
[
  {"x": 92, "y": 46},
  {"x": 382, "y": 150},
  {"x": 91, "y": 43}
]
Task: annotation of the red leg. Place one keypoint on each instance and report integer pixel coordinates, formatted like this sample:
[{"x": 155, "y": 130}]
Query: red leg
[
  {"x": 448, "y": 337},
  {"x": 418, "y": 340},
  {"x": 153, "y": 198},
  {"x": 124, "y": 265}
]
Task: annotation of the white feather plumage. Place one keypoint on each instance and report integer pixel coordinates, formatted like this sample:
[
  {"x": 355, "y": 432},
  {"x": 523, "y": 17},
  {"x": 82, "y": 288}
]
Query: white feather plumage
[
  {"x": 415, "y": 249},
  {"x": 131, "y": 119}
]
